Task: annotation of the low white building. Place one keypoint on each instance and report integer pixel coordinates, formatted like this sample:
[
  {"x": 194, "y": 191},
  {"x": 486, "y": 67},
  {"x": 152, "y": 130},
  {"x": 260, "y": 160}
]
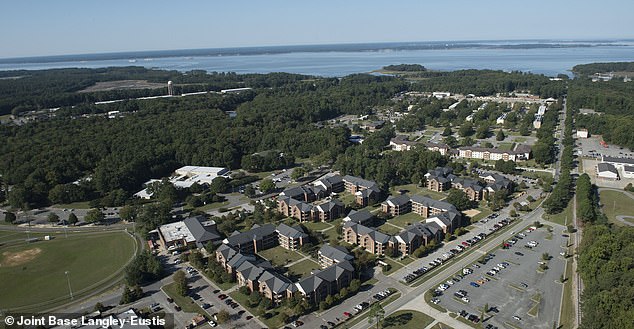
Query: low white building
[
  {"x": 582, "y": 133},
  {"x": 607, "y": 171}
]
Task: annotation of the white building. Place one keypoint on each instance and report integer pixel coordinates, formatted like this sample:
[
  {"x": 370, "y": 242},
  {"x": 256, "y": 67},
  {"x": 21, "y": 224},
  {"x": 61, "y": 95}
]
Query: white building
[
  {"x": 188, "y": 175},
  {"x": 628, "y": 171},
  {"x": 607, "y": 171},
  {"x": 582, "y": 133}
]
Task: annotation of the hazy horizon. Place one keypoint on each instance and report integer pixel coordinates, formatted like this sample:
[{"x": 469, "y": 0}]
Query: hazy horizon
[{"x": 44, "y": 28}]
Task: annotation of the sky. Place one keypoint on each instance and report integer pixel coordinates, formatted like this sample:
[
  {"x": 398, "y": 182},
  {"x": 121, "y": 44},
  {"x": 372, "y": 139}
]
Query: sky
[{"x": 45, "y": 27}]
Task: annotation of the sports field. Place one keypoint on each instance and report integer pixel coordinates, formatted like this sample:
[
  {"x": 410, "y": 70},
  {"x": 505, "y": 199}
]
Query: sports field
[{"x": 32, "y": 275}]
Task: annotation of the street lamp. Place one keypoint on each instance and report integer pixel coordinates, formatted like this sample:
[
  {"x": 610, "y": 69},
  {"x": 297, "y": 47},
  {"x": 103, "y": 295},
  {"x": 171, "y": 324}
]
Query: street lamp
[{"x": 69, "y": 288}]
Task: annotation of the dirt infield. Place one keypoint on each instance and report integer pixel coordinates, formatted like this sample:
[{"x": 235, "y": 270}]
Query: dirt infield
[
  {"x": 18, "y": 258},
  {"x": 471, "y": 212}
]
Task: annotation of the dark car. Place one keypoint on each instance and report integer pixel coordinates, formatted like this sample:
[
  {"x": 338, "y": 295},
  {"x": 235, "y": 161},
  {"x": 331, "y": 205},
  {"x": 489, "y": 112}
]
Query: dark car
[
  {"x": 249, "y": 317},
  {"x": 216, "y": 291},
  {"x": 206, "y": 305},
  {"x": 519, "y": 253},
  {"x": 170, "y": 299}
]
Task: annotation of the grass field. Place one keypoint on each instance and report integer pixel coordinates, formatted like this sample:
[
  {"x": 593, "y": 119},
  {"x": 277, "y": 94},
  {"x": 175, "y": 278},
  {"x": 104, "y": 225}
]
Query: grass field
[
  {"x": 186, "y": 303},
  {"x": 441, "y": 325},
  {"x": 616, "y": 203},
  {"x": 74, "y": 205},
  {"x": 563, "y": 217},
  {"x": 279, "y": 256},
  {"x": 414, "y": 189},
  {"x": 394, "y": 266},
  {"x": 389, "y": 229},
  {"x": 214, "y": 205},
  {"x": 506, "y": 146},
  {"x": 407, "y": 319},
  {"x": 303, "y": 268},
  {"x": 404, "y": 220},
  {"x": 317, "y": 226},
  {"x": 36, "y": 271}
]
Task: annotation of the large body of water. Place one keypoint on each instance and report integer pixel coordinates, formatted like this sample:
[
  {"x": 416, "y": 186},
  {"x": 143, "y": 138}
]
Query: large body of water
[{"x": 340, "y": 60}]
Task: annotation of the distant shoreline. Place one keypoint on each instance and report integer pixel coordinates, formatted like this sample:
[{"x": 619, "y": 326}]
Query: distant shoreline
[{"x": 361, "y": 47}]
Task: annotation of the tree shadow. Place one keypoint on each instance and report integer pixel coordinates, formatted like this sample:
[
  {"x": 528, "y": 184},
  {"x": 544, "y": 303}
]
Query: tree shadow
[{"x": 398, "y": 321}]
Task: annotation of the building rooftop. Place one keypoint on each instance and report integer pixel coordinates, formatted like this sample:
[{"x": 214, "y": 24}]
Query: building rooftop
[{"x": 337, "y": 253}]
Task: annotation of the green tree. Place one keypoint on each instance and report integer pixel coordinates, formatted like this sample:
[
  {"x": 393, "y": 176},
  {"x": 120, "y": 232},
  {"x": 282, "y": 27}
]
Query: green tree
[
  {"x": 447, "y": 132},
  {"x": 219, "y": 185},
  {"x": 459, "y": 199},
  {"x": 223, "y": 316},
  {"x": 298, "y": 173},
  {"x": 128, "y": 213},
  {"x": 466, "y": 129},
  {"x": 99, "y": 307},
  {"x": 267, "y": 185},
  {"x": 52, "y": 217},
  {"x": 94, "y": 216},
  {"x": 376, "y": 314},
  {"x": 499, "y": 136},
  {"x": 72, "y": 219},
  {"x": 180, "y": 280},
  {"x": 9, "y": 217}
]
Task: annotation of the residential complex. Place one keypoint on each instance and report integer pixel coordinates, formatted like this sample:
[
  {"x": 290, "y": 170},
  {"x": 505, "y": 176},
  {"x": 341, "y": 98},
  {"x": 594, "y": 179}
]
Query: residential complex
[
  {"x": 238, "y": 256},
  {"x": 443, "y": 179}
]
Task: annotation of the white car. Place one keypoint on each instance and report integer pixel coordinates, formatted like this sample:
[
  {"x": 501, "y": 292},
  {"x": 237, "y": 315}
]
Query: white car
[
  {"x": 212, "y": 323},
  {"x": 449, "y": 282},
  {"x": 465, "y": 299}
]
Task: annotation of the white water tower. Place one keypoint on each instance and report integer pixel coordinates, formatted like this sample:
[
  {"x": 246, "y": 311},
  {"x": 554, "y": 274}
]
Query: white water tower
[{"x": 170, "y": 88}]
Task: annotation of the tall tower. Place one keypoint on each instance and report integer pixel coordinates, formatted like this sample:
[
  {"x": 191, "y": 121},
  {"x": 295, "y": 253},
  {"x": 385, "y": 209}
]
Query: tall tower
[{"x": 170, "y": 88}]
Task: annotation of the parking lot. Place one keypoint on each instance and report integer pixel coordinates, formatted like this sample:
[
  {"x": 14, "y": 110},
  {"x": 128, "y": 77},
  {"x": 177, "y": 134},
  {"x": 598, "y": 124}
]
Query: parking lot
[
  {"x": 516, "y": 291},
  {"x": 591, "y": 147}
]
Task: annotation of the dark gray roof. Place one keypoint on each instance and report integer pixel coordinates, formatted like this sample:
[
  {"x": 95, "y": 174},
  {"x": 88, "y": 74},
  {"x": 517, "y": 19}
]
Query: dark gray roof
[
  {"x": 372, "y": 233},
  {"x": 438, "y": 145},
  {"x": 257, "y": 232},
  {"x": 400, "y": 200},
  {"x": 429, "y": 202},
  {"x": 201, "y": 233},
  {"x": 628, "y": 168},
  {"x": 414, "y": 231},
  {"x": 607, "y": 167},
  {"x": 298, "y": 191},
  {"x": 362, "y": 182},
  {"x": 402, "y": 139},
  {"x": 328, "y": 206},
  {"x": 329, "y": 274},
  {"x": 239, "y": 258},
  {"x": 359, "y": 216},
  {"x": 618, "y": 160},
  {"x": 523, "y": 148},
  {"x": 291, "y": 232},
  {"x": 250, "y": 270},
  {"x": 337, "y": 253},
  {"x": 276, "y": 282},
  {"x": 226, "y": 251},
  {"x": 332, "y": 180}
]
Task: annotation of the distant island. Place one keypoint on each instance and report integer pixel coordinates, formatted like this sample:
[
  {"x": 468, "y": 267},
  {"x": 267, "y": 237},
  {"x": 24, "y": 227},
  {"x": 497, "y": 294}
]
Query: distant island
[{"x": 405, "y": 68}]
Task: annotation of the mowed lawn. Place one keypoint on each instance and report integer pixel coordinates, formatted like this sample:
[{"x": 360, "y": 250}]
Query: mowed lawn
[
  {"x": 404, "y": 220},
  {"x": 616, "y": 203},
  {"x": 33, "y": 274},
  {"x": 407, "y": 319},
  {"x": 279, "y": 256},
  {"x": 303, "y": 268}
]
